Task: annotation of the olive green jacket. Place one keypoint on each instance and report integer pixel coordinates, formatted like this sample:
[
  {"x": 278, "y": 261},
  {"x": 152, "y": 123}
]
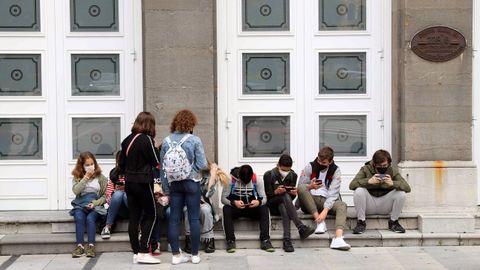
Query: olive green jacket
[
  {"x": 79, "y": 185},
  {"x": 367, "y": 171}
]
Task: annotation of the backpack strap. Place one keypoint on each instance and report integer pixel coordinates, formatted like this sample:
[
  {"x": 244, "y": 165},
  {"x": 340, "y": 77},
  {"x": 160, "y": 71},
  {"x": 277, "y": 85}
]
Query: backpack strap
[
  {"x": 169, "y": 141},
  {"x": 130, "y": 144}
]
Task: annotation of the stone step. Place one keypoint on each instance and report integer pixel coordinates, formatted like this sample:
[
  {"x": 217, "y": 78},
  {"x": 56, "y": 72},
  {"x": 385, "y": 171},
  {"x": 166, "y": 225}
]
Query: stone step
[
  {"x": 16, "y": 244},
  {"x": 62, "y": 222}
]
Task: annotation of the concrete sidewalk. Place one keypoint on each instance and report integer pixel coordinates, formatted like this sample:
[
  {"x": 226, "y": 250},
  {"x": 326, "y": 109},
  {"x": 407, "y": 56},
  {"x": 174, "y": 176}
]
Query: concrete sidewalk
[{"x": 458, "y": 257}]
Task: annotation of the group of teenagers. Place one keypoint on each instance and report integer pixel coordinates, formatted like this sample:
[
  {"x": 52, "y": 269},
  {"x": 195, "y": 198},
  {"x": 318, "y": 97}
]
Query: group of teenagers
[{"x": 172, "y": 181}]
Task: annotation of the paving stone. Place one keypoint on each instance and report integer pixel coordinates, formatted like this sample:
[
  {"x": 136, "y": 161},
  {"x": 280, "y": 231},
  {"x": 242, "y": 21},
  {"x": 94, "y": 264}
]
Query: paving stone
[
  {"x": 33, "y": 262},
  {"x": 60, "y": 261}
]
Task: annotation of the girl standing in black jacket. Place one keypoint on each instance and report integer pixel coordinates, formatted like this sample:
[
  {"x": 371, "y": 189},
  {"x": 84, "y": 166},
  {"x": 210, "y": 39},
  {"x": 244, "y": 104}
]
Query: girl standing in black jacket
[{"x": 138, "y": 158}]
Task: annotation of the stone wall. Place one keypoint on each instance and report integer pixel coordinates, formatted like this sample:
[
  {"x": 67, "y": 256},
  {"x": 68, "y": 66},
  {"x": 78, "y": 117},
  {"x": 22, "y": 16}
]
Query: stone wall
[
  {"x": 179, "y": 40},
  {"x": 435, "y": 104}
]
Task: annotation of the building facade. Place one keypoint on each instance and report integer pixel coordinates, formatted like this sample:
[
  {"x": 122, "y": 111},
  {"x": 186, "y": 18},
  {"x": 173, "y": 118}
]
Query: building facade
[{"x": 265, "y": 77}]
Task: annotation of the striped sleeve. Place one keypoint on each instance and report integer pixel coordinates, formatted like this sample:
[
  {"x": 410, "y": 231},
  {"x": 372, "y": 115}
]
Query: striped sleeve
[{"x": 109, "y": 191}]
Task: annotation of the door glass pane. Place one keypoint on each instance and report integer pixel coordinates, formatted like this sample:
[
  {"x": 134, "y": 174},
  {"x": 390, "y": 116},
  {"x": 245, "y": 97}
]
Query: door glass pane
[
  {"x": 21, "y": 139},
  {"x": 20, "y": 15},
  {"x": 346, "y": 134},
  {"x": 342, "y": 73},
  {"x": 99, "y": 135},
  {"x": 95, "y": 75},
  {"x": 265, "y": 15},
  {"x": 94, "y": 15},
  {"x": 337, "y": 15},
  {"x": 266, "y": 73},
  {"x": 266, "y": 136},
  {"x": 20, "y": 75}
]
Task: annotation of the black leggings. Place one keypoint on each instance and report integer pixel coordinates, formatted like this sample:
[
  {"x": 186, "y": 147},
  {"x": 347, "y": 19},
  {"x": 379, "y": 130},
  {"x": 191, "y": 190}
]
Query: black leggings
[
  {"x": 141, "y": 205},
  {"x": 282, "y": 205}
]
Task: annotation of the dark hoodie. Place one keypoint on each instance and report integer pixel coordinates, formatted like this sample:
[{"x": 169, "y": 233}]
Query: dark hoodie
[{"x": 241, "y": 191}]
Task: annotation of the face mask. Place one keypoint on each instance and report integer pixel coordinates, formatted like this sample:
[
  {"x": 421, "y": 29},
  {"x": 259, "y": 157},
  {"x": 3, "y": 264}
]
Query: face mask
[
  {"x": 283, "y": 173},
  {"x": 322, "y": 167},
  {"x": 381, "y": 170},
  {"x": 89, "y": 168}
]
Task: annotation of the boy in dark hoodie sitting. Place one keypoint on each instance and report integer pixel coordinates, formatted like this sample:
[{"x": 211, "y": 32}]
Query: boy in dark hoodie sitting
[
  {"x": 245, "y": 197},
  {"x": 280, "y": 187}
]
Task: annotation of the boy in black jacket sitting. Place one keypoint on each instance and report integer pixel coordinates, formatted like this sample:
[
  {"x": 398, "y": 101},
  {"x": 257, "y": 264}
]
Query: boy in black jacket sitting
[{"x": 280, "y": 187}]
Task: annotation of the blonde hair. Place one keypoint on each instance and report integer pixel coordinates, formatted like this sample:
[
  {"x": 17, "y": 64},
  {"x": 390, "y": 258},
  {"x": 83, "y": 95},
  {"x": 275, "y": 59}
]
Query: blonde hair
[{"x": 221, "y": 175}]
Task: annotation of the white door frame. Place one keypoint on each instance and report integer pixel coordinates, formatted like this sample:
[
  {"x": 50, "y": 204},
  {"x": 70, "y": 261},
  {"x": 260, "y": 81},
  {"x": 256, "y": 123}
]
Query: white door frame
[
  {"x": 225, "y": 117},
  {"x": 476, "y": 92}
]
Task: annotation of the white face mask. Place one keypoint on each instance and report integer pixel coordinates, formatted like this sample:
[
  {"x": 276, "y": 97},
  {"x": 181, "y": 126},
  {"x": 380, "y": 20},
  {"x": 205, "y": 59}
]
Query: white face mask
[
  {"x": 89, "y": 168},
  {"x": 283, "y": 173}
]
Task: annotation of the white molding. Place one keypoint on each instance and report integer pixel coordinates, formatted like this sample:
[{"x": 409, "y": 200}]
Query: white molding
[{"x": 475, "y": 91}]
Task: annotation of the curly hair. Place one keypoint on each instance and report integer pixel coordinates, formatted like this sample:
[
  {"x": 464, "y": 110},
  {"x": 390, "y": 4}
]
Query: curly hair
[
  {"x": 144, "y": 123},
  {"x": 184, "y": 121},
  {"x": 79, "y": 172}
]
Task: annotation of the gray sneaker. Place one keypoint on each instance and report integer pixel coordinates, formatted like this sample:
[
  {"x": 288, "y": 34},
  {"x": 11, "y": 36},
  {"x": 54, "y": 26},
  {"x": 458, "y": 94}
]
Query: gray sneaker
[{"x": 105, "y": 234}]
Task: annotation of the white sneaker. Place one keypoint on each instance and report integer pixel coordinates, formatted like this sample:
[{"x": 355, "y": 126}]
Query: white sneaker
[
  {"x": 135, "y": 258},
  {"x": 339, "y": 243},
  {"x": 321, "y": 228},
  {"x": 195, "y": 259},
  {"x": 180, "y": 258},
  {"x": 147, "y": 258}
]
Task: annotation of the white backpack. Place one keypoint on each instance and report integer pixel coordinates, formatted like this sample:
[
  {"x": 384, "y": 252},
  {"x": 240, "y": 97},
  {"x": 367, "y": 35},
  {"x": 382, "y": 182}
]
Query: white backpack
[{"x": 175, "y": 162}]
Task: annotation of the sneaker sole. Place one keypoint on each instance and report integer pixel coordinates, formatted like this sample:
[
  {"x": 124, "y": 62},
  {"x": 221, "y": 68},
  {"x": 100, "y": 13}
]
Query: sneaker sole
[
  {"x": 145, "y": 262},
  {"x": 230, "y": 250},
  {"x": 319, "y": 232},
  {"x": 358, "y": 232},
  {"x": 105, "y": 237},
  {"x": 269, "y": 250},
  {"x": 341, "y": 248}
]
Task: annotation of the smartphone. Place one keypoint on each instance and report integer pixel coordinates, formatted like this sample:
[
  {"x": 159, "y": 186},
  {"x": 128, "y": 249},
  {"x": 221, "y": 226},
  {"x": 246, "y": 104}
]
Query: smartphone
[
  {"x": 318, "y": 181},
  {"x": 289, "y": 188},
  {"x": 381, "y": 176}
]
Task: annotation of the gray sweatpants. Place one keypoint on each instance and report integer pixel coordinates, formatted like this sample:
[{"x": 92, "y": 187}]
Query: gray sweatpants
[
  {"x": 388, "y": 204},
  {"x": 206, "y": 221}
]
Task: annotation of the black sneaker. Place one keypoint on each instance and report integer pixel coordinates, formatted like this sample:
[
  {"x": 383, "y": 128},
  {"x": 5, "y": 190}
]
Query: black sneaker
[
  {"x": 231, "y": 246},
  {"x": 360, "y": 228},
  {"x": 188, "y": 245},
  {"x": 287, "y": 245},
  {"x": 267, "y": 246},
  {"x": 209, "y": 245},
  {"x": 394, "y": 226},
  {"x": 305, "y": 231}
]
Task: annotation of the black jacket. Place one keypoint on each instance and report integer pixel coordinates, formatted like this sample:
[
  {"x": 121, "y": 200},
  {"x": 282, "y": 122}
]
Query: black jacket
[
  {"x": 142, "y": 158},
  {"x": 272, "y": 179}
]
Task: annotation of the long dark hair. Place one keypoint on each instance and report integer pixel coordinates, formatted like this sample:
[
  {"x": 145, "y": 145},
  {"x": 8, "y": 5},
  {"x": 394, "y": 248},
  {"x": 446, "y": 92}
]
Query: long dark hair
[{"x": 144, "y": 123}]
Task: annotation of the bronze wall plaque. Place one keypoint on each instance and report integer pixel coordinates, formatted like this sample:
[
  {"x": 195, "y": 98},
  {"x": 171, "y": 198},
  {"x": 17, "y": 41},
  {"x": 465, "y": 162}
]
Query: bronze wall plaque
[{"x": 438, "y": 44}]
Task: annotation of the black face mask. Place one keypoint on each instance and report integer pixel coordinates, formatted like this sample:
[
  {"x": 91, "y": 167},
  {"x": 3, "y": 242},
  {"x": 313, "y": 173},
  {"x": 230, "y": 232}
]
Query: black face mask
[
  {"x": 381, "y": 170},
  {"x": 322, "y": 167}
]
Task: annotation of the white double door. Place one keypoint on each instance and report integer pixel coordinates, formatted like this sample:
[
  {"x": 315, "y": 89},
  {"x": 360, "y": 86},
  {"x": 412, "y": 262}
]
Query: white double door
[
  {"x": 71, "y": 81},
  {"x": 298, "y": 75}
]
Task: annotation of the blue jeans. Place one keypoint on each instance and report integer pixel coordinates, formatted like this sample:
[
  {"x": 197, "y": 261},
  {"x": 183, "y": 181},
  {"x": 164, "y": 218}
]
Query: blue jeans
[
  {"x": 185, "y": 192},
  {"x": 90, "y": 218},
  {"x": 118, "y": 197},
  {"x": 158, "y": 224}
]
